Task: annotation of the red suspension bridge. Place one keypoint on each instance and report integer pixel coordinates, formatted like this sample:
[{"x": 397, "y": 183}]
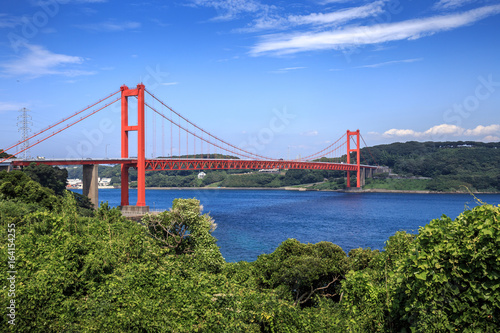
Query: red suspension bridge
[{"x": 205, "y": 146}]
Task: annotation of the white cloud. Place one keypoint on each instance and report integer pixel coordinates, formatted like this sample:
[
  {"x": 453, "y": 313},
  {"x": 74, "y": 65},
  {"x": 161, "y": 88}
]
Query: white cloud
[
  {"x": 89, "y": 1},
  {"x": 326, "y": 2},
  {"x": 391, "y": 63},
  {"x": 365, "y": 35},
  {"x": 286, "y": 70},
  {"x": 483, "y": 130},
  {"x": 110, "y": 26},
  {"x": 491, "y": 138},
  {"x": 231, "y": 9},
  {"x": 36, "y": 61},
  {"x": 340, "y": 16},
  {"x": 169, "y": 83},
  {"x": 8, "y": 21},
  {"x": 449, "y": 4},
  {"x": 444, "y": 131},
  {"x": 267, "y": 22},
  {"x": 310, "y": 133},
  {"x": 11, "y": 106},
  {"x": 400, "y": 132},
  {"x": 291, "y": 68}
]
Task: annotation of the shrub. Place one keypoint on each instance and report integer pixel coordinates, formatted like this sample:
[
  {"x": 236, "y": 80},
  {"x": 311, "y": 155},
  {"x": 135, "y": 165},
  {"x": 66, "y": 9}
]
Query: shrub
[
  {"x": 450, "y": 281},
  {"x": 184, "y": 230},
  {"x": 299, "y": 271}
]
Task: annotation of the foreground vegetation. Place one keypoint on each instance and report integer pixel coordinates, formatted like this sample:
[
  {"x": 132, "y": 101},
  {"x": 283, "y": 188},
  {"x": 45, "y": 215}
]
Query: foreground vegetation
[{"x": 105, "y": 273}]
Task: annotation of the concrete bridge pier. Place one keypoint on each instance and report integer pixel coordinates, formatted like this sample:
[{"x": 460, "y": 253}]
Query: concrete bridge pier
[
  {"x": 362, "y": 175},
  {"x": 90, "y": 183},
  {"x": 365, "y": 173}
]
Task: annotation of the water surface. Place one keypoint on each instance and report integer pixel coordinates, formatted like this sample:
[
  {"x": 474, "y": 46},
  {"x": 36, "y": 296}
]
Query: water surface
[{"x": 252, "y": 222}]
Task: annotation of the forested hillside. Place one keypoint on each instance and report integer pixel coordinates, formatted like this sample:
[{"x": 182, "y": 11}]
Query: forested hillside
[
  {"x": 451, "y": 165},
  {"x": 65, "y": 271}
]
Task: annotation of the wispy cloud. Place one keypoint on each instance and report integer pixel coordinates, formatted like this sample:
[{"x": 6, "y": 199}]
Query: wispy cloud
[
  {"x": 326, "y": 2},
  {"x": 231, "y": 9},
  {"x": 36, "y": 61},
  {"x": 87, "y": 1},
  {"x": 268, "y": 22},
  {"x": 64, "y": 2},
  {"x": 450, "y": 4},
  {"x": 110, "y": 26},
  {"x": 11, "y": 106},
  {"x": 310, "y": 133},
  {"x": 286, "y": 70},
  {"x": 8, "y": 21},
  {"x": 445, "y": 130},
  {"x": 381, "y": 64},
  {"x": 365, "y": 35}
]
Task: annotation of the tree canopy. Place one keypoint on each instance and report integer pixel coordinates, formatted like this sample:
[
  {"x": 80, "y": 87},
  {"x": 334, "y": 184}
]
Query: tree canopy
[{"x": 105, "y": 273}]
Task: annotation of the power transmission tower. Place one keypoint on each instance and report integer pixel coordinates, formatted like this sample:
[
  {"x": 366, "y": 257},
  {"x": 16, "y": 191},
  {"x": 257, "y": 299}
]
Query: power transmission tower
[{"x": 23, "y": 123}]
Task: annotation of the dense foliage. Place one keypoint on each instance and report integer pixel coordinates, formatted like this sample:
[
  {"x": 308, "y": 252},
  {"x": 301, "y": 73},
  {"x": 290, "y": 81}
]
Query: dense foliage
[
  {"x": 4, "y": 154},
  {"x": 104, "y": 273},
  {"x": 299, "y": 271},
  {"x": 450, "y": 279},
  {"x": 451, "y": 165},
  {"x": 51, "y": 177},
  {"x": 16, "y": 186}
]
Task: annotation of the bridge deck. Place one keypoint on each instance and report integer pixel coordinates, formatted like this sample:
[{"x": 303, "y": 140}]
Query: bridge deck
[{"x": 201, "y": 164}]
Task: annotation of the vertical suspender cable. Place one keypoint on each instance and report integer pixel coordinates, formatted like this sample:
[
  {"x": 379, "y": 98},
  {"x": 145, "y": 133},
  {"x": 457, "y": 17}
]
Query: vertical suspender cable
[
  {"x": 179, "y": 152},
  {"x": 154, "y": 135},
  {"x": 171, "y": 134},
  {"x": 162, "y": 137}
]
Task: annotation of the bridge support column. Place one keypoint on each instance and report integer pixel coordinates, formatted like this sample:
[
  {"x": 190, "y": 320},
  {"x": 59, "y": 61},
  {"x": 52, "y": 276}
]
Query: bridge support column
[
  {"x": 90, "y": 183},
  {"x": 141, "y": 150},
  {"x": 358, "y": 164},
  {"x": 363, "y": 177}
]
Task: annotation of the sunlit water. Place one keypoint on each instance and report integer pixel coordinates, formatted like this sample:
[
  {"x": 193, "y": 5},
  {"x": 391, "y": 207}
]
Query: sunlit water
[{"x": 252, "y": 222}]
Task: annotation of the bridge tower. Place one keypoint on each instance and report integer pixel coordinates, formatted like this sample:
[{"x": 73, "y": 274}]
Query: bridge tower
[
  {"x": 358, "y": 164},
  {"x": 141, "y": 150}
]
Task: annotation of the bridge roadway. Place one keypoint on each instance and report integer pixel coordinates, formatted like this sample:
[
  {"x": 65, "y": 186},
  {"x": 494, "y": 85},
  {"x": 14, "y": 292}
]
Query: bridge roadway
[
  {"x": 90, "y": 170},
  {"x": 200, "y": 164}
]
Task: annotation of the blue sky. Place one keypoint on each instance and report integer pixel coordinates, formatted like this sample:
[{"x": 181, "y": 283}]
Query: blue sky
[{"x": 281, "y": 78}]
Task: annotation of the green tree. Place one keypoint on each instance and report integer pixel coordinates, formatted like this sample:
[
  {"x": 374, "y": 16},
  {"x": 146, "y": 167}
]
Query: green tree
[
  {"x": 184, "y": 230},
  {"x": 366, "y": 298},
  {"x": 4, "y": 154},
  {"x": 17, "y": 186},
  {"x": 450, "y": 280},
  {"x": 51, "y": 177},
  {"x": 300, "y": 271}
]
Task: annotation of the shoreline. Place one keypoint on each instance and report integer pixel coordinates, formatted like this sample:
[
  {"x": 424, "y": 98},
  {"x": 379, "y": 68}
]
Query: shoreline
[{"x": 302, "y": 189}]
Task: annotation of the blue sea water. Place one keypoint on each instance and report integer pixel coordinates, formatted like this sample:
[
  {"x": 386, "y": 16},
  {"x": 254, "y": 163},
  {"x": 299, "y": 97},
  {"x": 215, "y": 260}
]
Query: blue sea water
[{"x": 253, "y": 222}]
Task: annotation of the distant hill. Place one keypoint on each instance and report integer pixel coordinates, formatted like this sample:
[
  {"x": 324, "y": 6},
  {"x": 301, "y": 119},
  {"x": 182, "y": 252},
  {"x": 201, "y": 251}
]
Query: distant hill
[{"x": 449, "y": 164}]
